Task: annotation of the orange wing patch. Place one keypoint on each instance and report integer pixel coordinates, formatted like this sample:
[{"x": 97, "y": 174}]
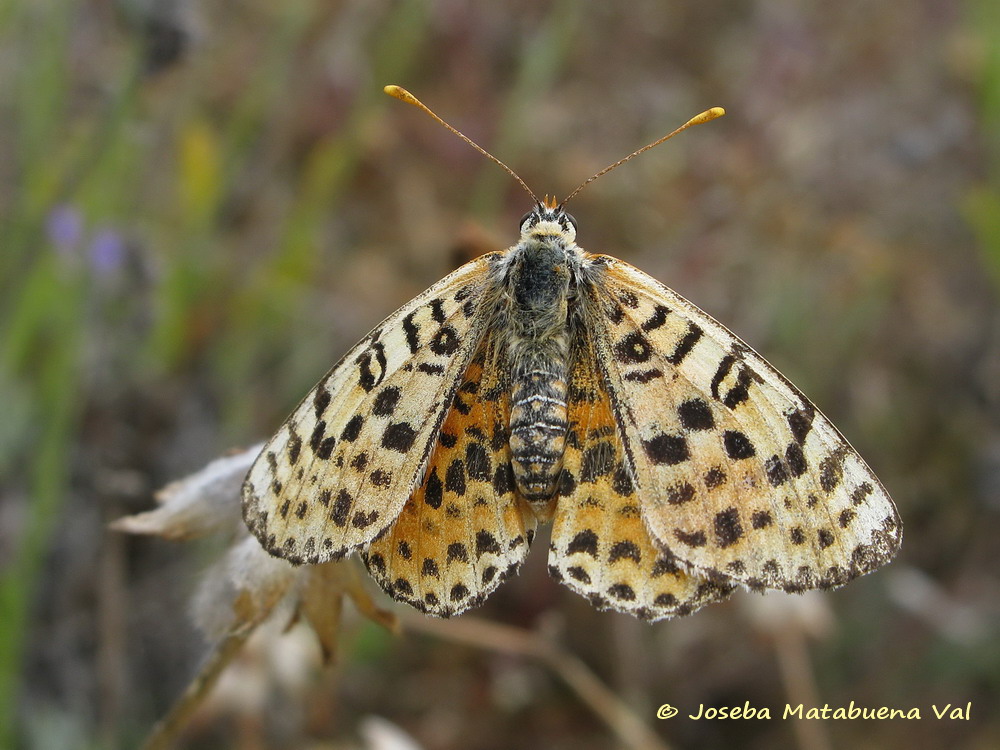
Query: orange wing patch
[
  {"x": 741, "y": 475},
  {"x": 463, "y": 531},
  {"x": 600, "y": 546}
]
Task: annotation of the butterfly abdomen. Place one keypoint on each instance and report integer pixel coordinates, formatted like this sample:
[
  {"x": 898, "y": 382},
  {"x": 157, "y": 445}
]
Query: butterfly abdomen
[
  {"x": 538, "y": 427},
  {"x": 538, "y": 358}
]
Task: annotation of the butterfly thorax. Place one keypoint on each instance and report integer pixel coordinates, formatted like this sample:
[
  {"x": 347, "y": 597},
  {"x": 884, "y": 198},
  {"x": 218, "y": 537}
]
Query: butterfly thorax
[{"x": 539, "y": 288}]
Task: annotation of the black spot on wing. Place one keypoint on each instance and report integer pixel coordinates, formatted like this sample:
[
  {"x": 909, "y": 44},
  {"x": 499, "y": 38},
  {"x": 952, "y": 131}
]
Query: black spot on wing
[
  {"x": 294, "y": 447},
  {"x": 863, "y": 491},
  {"x": 477, "y": 462},
  {"x": 680, "y": 493},
  {"x": 460, "y": 405},
  {"x": 433, "y": 490},
  {"x": 741, "y": 391},
  {"x": 796, "y": 459},
  {"x": 776, "y": 473},
  {"x": 738, "y": 445},
  {"x": 499, "y": 439},
  {"x": 831, "y": 470},
  {"x": 399, "y": 436},
  {"x": 325, "y": 448},
  {"x": 800, "y": 422},
  {"x": 633, "y": 349},
  {"x": 380, "y": 478},
  {"x": 320, "y": 401},
  {"x": 725, "y": 365},
  {"x": 486, "y": 542},
  {"x": 437, "y": 309},
  {"x": 445, "y": 341},
  {"x": 666, "y": 565},
  {"x": 691, "y": 539},
  {"x": 503, "y": 479},
  {"x": 374, "y": 355},
  {"x": 622, "y": 592},
  {"x": 375, "y": 563},
  {"x": 597, "y": 461},
  {"x": 364, "y": 520},
  {"x": 322, "y": 445},
  {"x": 352, "y": 429},
  {"x": 566, "y": 483},
  {"x": 657, "y": 320},
  {"x": 714, "y": 477},
  {"x": 430, "y": 568},
  {"x": 628, "y": 298},
  {"x": 454, "y": 478},
  {"x": 667, "y": 449},
  {"x": 341, "y": 507},
  {"x": 624, "y": 550},
  {"x": 412, "y": 332},
  {"x": 728, "y": 529},
  {"x": 686, "y": 344},
  {"x": 695, "y": 414},
  {"x": 386, "y": 401},
  {"x": 622, "y": 481},
  {"x": 585, "y": 541},
  {"x": 644, "y": 376}
]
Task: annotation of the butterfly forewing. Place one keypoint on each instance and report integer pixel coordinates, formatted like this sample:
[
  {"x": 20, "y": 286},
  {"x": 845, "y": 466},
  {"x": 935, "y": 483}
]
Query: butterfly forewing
[
  {"x": 738, "y": 474},
  {"x": 600, "y": 545},
  {"x": 464, "y": 531},
  {"x": 673, "y": 460},
  {"x": 339, "y": 470}
]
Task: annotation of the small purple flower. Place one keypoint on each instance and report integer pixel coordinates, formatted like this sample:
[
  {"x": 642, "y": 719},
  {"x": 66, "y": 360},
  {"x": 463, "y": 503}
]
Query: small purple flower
[
  {"x": 107, "y": 252},
  {"x": 64, "y": 227}
]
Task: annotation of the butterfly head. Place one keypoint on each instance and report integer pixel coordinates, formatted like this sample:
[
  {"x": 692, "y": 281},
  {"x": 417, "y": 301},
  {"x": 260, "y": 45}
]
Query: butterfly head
[{"x": 548, "y": 218}]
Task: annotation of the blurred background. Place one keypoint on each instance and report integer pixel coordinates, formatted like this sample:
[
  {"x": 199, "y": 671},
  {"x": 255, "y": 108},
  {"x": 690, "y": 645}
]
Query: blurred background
[{"x": 204, "y": 204}]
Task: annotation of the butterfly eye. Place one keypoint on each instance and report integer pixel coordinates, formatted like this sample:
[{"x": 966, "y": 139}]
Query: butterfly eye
[
  {"x": 572, "y": 220},
  {"x": 525, "y": 218}
]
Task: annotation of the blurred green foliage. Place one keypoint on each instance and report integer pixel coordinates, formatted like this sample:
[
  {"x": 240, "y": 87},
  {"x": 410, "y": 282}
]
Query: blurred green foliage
[
  {"x": 80, "y": 161},
  {"x": 983, "y": 205}
]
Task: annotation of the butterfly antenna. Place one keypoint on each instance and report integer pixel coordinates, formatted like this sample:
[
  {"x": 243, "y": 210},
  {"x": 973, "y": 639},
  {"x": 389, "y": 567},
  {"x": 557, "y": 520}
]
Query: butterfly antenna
[
  {"x": 706, "y": 116},
  {"x": 403, "y": 95}
]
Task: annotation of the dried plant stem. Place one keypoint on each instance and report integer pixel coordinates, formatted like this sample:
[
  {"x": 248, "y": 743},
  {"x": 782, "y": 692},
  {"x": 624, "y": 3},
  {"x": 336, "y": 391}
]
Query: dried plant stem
[
  {"x": 165, "y": 731},
  {"x": 629, "y": 728},
  {"x": 792, "y": 653}
]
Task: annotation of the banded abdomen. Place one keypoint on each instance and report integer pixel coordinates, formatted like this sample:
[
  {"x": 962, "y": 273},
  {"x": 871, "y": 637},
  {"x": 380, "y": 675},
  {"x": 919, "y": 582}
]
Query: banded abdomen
[
  {"x": 538, "y": 427},
  {"x": 538, "y": 291}
]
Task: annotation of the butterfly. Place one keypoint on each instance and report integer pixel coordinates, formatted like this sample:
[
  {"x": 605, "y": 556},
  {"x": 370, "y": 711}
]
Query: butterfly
[{"x": 543, "y": 383}]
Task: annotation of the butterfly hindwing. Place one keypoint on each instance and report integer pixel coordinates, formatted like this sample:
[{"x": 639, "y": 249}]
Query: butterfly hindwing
[
  {"x": 677, "y": 463},
  {"x": 738, "y": 474},
  {"x": 339, "y": 470},
  {"x": 600, "y": 545},
  {"x": 464, "y": 530}
]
